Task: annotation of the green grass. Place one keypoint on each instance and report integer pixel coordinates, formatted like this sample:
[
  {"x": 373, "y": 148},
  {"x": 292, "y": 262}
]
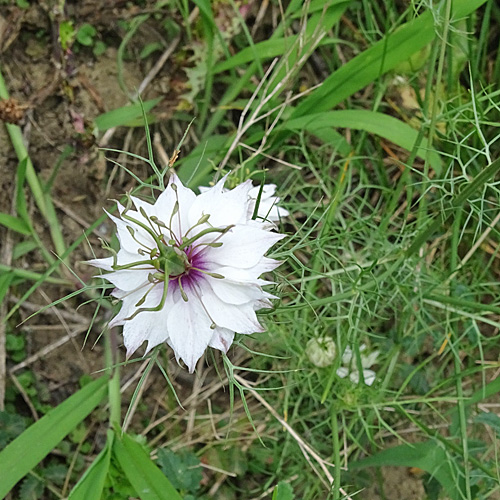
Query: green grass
[{"x": 390, "y": 173}]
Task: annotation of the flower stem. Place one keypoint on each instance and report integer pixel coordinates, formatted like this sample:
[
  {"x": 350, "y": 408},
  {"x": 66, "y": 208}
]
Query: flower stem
[
  {"x": 111, "y": 355},
  {"x": 336, "y": 453}
]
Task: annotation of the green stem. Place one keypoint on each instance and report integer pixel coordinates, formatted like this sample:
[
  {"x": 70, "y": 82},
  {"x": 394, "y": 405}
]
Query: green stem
[
  {"x": 31, "y": 275},
  {"x": 43, "y": 202},
  {"x": 111, "y": 354},
  {"x": 422, "y": 209},
  {"x": 336, "y": 454}
]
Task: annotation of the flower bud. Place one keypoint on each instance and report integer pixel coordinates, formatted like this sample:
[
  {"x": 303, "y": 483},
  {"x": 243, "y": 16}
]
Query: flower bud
[{"x": 321, "y": 351}]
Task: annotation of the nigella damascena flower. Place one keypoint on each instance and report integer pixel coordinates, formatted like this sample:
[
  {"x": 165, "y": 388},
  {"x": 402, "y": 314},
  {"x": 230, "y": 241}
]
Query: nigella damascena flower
[
  {"x": 268, "y": 210},
  {"x": 188, "y": 269},
  {"x": 350, "y": 369}
]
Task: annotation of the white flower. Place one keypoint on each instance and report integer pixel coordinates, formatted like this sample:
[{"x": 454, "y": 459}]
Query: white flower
[
  {"x": 188, "y": 269},
  {"x": 351, "y": 369},
  {"x": 268, "y": 210}
]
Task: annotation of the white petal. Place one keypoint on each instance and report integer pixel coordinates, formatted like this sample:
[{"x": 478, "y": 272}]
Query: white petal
[
  {"x": 189, "y": 331},
  {"x": 129, "y": 279},
  {"x": 146, "y": 207},
  {"x": 234, "y": 293},
  {"x": 243, "y": 246},
  {"x": 130, "y": 299},
  {"x": 105, "y": 263},
  {"x": 123, "y": 257},
  {"x": 370, "y": 359},
  {"x": 149, "y": 326},
  {"x": 342, "y": 372},
  {"x": 250, "y": 274},
  {"x": 347, "y": 356},
  {"x": 127, "y": 242},
  {"x": 369, "y": 376},
  {"x": 224, "y": 207},
  {"x": 268, "y": 190},
  {"x": 222, "y": 339},
  {"x": 165, "y": 204},
  {"x": 268, "y": 206},
  {"x": 240, "y": 318},
  {"x": 269, "y": 210}
]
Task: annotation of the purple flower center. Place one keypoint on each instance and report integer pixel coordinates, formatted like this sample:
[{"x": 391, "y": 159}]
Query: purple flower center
[{"x": 193, "y": 271}]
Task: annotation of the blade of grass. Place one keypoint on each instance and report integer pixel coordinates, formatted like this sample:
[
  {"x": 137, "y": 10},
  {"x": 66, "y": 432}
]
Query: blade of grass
[
  {"x": 91, "y": 484},
  {"x": 35, "y": 443},
  {"x": 335, "y": 11},
  {"x": 124, "y": 116},
  {"x": 381, "y": 57},
  {"x": 380, "y": 124},
  {"x": 146, "y": 478}
]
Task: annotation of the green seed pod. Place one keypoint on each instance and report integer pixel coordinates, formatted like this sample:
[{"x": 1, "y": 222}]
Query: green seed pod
[{"x": 321, "y": 351}]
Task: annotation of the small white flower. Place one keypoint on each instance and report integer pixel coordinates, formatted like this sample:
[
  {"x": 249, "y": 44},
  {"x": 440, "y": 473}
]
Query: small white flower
[
  {"x": 188, "y": 269},
  {"x": 350, "y": 369},
  {"x": 268, "y": 210}
]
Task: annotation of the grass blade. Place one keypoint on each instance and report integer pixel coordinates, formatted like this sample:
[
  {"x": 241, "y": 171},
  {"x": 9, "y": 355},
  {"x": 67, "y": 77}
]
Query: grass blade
[
  {"x": 383, "y": 56},
  {"x": 91, "y": 484},
  {"x": 385, "y": 126},
  {"x": 14, "y": 223},
  {"x": 125, "y": 116},
  {"x": 34, "y": 444},
  {"x": 147, "y": 479}
]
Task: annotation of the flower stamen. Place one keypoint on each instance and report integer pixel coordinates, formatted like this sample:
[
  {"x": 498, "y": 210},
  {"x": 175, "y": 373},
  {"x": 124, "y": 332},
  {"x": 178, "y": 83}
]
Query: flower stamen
[
  {"x": 159, "y": 307},
  {"x": 183, "y": 293}
]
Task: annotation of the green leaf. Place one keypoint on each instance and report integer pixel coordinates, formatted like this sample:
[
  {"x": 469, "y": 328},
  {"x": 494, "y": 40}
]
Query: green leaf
[
  {"x": 92, "y": 482},
  {"x": 21, "y": 207},
  {"x": 14, "y": 342},
  {"x": 378, "y": 59},
  {"x": 149, "y": 49},
  {"x": 266, "y": 50},
  {"x": 320, "y": 21},
  {"x": 317, "y": 6},
  {"x": 146, "y": 478},
  {"x": 490, "y": 419},
  {"x": 14, "y": 223},
  {"x": 10, "y": 427},
  {"x": 25, "y": 452},
  {"x": 85, "y": 35},
  {"x": 124, "y": 116},
  {"x": 464, "y": 192},
  {"x": 182, "y": 469},
  {"x": 283, "y": 491},
  {"x": 66, "y": 34},
  {"x": 5, "y": 281},
  {"x": 385, "y": 126},
  {"x": 31, "y": 488},
  {"x": 99, "y": 48},
  {"x": 23, "y": 247},
  {"x": 429, "y": 456},
  {"x": 56, "y": 473}
]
